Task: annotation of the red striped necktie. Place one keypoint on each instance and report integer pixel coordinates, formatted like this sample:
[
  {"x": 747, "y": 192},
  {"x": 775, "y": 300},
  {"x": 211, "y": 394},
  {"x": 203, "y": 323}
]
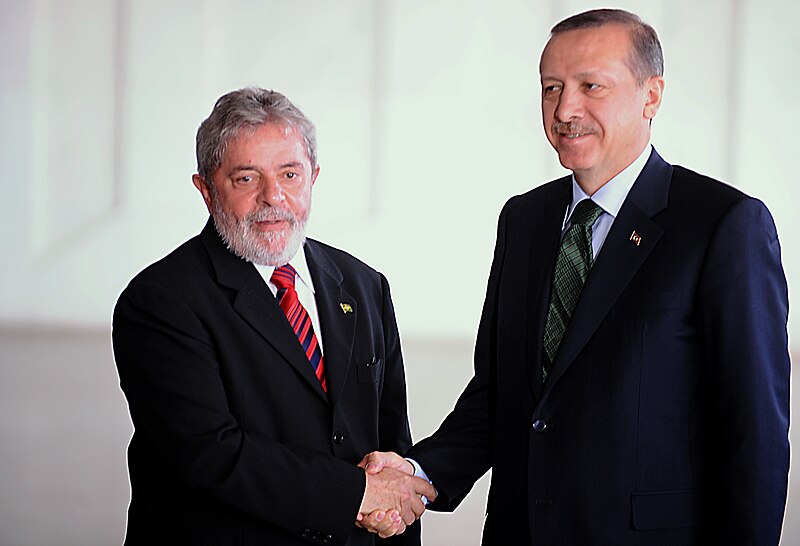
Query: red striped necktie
[{"x": 283, "y": 277}]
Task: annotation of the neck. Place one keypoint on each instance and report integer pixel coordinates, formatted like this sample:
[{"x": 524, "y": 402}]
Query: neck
[
  {"x": 589, "y": 184},
  {"x": 592, "y": 180}
]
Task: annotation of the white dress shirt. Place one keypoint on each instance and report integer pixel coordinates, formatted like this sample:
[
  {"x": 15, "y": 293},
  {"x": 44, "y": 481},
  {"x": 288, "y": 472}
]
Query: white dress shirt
[
  {"x": 609, "y": 197},
  {"x": 304, "y": 287}
]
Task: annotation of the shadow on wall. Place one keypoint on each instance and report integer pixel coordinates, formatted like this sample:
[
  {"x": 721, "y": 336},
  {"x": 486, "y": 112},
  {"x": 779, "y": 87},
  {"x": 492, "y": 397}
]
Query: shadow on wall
[{"x": 65, "y": 429}]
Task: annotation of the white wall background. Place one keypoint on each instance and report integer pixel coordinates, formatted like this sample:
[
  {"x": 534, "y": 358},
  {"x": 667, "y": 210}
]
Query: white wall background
[{"x": 428, "y": 120}]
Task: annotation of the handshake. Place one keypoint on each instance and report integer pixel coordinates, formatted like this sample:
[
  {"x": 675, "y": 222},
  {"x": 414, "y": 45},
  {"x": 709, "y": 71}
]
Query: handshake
[{"x": 393, "y": 496}]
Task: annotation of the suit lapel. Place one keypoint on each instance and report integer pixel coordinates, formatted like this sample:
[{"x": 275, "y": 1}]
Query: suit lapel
[
  {"x": 545, "y": 239},
  {"x": 620, "y": 259},
  {"x": 338, "y": 313},
  {"x": 255, "y": 303}
]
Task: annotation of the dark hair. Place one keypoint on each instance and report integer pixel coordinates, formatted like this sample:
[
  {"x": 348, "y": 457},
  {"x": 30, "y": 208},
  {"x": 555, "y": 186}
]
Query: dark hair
[
  {"x": 247, "y": 108},
  {"x": 646, "y": 59}
]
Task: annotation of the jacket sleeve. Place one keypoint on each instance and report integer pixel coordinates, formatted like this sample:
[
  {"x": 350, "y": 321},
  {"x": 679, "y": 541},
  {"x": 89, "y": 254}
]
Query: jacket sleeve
[
  {"x": 459, "y": 452},
  {"x": 743, "y": 303}
]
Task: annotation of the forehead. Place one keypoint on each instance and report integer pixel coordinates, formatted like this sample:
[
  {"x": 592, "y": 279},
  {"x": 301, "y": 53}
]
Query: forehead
[
  {"x": 266, "y": 142},
  {"x": 586, "y": 50}
]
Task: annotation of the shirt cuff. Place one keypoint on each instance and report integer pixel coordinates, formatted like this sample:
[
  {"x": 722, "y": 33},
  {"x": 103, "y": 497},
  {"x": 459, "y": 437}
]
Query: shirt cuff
[{"x": 418, "y": 472}]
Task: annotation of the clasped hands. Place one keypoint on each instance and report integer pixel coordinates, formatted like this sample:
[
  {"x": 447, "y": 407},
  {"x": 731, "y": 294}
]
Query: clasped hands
[{"x": 392, "y": 499}]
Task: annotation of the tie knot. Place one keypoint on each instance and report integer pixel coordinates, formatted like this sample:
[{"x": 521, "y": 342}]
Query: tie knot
[
  {"x": 585, "y": 213},
  {"x": 283, "y": 276}
]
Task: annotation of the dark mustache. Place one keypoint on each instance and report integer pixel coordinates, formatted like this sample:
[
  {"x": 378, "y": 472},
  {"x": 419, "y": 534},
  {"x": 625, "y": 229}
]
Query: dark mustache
[{"x": 570, "y": 128}]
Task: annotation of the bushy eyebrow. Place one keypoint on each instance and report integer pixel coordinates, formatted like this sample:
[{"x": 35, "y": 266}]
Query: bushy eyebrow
[
  {"x": 580, "y": 76},
  {"x": 243, "y": 168},
  {"x": 289, "y": 165}
]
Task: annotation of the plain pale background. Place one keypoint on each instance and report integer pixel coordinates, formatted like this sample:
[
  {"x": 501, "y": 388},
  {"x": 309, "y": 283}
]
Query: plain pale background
[{"x": 428, "y": 120}]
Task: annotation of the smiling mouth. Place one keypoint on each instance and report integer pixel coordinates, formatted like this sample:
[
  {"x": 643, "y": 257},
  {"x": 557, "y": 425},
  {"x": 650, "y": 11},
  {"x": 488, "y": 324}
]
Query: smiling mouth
[
  {"x": 271, "y": 219},
  {"x": 268, "y": 224}
]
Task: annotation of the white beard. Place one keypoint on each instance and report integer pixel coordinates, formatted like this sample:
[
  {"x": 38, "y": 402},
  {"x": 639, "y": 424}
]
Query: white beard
[{"x": 256, "y": 246}]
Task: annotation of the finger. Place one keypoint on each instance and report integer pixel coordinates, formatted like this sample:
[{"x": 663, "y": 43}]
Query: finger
[
  {"x": 407, "y": 513},
  {"x": 401, "y": 528},
  {"x": 377, "y": 461},
  {"x": 416, "y": 505},
  {"x": 373, "y": 462},
  {"x": 397, "y": 529},
  {"x": 372, "y": 522},
  {"x": 424, "y": 488},
  {"x": 405, "y": 466},
  {"x": 390, "y": 525}
]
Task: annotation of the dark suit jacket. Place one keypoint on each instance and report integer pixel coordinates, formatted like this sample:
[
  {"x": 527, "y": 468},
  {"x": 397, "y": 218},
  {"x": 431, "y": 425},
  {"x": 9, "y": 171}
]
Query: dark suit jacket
[
  {"x": 665, "y": 416},
  {"x": 235, "y": 441}
]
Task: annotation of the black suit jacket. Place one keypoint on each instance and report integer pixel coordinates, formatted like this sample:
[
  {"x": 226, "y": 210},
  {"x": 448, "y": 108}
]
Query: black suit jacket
[
  {"x": 235, "y": 441},
  {"x": 665, "y": 416}
]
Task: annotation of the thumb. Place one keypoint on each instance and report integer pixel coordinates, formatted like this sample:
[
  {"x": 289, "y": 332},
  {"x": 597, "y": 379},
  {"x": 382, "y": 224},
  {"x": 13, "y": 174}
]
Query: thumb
[{"x": 374, "y": 463}]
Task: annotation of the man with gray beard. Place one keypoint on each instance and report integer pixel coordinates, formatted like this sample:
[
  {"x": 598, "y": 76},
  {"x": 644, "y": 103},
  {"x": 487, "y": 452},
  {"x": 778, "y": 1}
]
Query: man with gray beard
[{"x": 260, "y": 366}]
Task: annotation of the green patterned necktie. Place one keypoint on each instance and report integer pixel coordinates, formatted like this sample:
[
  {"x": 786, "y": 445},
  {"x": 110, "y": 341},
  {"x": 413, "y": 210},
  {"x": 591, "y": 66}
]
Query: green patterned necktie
[{"x": 572, "y": 267}]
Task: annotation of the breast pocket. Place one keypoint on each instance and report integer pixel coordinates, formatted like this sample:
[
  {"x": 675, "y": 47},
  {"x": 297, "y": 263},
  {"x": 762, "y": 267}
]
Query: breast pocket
[{"x": 369, "y": 371}]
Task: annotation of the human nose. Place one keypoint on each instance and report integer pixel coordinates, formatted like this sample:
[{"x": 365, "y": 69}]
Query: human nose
[
  {"x": 569, "y": 106},
  {"x": 271, "y": 191}
]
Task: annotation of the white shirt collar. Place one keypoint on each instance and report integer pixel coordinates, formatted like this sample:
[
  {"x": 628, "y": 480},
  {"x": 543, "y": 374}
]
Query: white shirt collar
[
  {"x": 300, "y": 265},
  {"x": 613, "y": 193}
]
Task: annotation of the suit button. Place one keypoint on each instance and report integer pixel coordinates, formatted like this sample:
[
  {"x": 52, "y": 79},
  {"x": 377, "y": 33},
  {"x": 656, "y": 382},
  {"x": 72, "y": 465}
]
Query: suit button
[
  {"x": 539, "y": 425},
  {"x": 338, "y": 438}
]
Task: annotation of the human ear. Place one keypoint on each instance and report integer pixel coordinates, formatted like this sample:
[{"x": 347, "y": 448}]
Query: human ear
[
  {"x": 654, "y": 90},
  {"x": 201, "y": 184}
]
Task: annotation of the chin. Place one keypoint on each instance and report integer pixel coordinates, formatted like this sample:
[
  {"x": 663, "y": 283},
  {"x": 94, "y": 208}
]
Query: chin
[
  {"x": 277, "y": 248},
  {"x": 271, "y": 247},
  {"x": 573, "y": 163}
]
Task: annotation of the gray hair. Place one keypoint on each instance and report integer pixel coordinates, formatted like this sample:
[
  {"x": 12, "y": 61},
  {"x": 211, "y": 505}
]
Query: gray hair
[
  {"x": 646, "y": 59},
  {"x": 247, "y": 109}
]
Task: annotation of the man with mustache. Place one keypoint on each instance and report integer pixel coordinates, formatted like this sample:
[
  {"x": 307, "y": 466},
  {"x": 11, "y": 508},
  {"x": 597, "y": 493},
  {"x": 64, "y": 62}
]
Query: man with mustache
[
  {"x": 260, "y": 366},
  {"x": 631, "y": 378}
]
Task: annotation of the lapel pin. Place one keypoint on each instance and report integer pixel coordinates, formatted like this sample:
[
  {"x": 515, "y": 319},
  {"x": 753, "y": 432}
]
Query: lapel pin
[
  {"x": 346, "y": 308},
  {"x": 636, "y": 238}
]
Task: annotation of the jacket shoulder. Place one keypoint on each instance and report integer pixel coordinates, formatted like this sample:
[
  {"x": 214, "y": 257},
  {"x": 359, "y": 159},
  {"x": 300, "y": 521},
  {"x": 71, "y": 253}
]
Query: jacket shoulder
[
  {"x": 345, "y": 261},
  {"x": 702, "y": 195},
  {"x": 545, "y": 196},
  {"x": 178, "y": 268}
]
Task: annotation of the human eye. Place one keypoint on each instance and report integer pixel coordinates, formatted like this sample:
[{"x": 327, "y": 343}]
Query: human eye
[
  {"x": 592, "y": 86},
  {"x": 293, "y": 174},
  {"x": 550, "y": 90},
  {"x": 243, "y": 179}
]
